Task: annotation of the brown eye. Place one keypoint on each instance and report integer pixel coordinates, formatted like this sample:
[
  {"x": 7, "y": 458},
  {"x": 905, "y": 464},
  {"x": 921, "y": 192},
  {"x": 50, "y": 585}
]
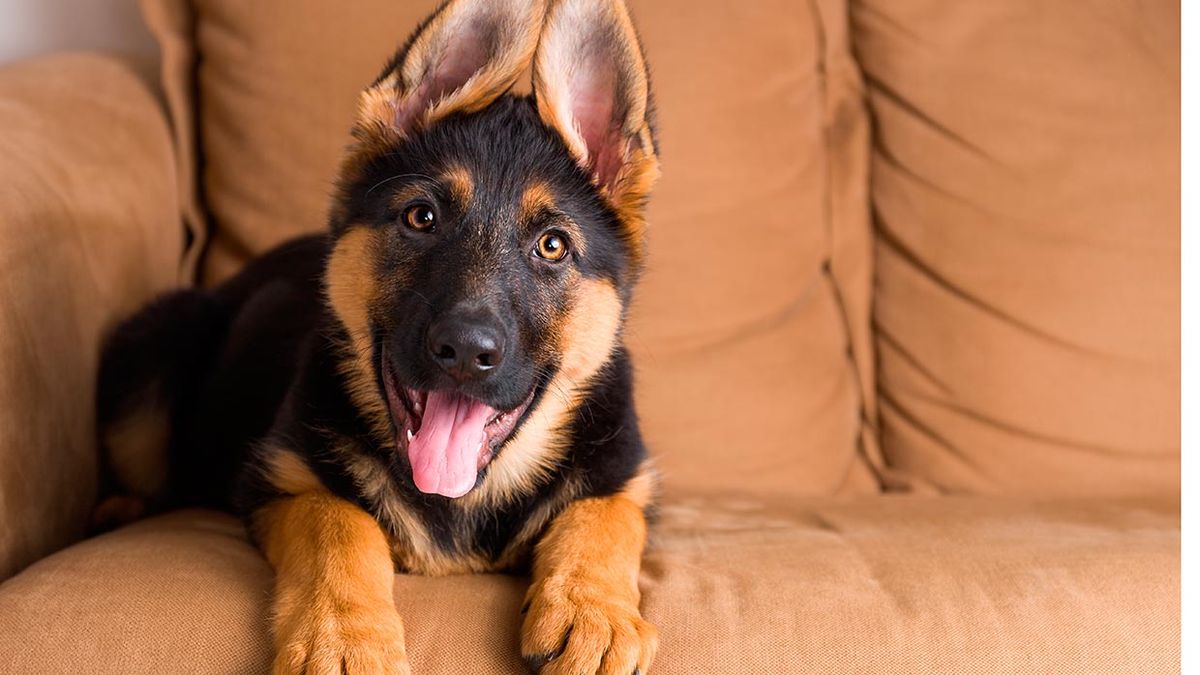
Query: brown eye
[
  {"x": 552, "y": 246},
  {"x": 419, "y": 217}
]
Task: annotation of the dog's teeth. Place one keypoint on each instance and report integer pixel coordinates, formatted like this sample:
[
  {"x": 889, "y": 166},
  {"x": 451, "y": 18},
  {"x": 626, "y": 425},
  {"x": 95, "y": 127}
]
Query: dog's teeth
[{"x": 410, "y": 434}]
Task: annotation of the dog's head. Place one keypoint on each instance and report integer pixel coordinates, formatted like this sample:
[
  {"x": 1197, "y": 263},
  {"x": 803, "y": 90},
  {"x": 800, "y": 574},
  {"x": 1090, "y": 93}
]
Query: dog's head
[{"x": 486, "y": 243}]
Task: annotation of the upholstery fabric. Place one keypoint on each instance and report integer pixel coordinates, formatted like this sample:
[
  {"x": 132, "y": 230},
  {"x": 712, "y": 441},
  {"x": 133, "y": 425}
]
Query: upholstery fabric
[
  {"x": 88, "y": 233},
  {"x": 753, "y": 315},
  {"x": 1025, "y": 181},
  {"x": 735, "y": 584}
]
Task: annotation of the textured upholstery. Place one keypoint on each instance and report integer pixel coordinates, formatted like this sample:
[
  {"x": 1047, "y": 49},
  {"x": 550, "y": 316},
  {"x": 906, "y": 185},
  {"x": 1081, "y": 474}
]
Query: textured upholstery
[
  {"x": 87, "y": 233},
  {"x": 735, "y": 584},
  {"x": 1025, "y": 180}
]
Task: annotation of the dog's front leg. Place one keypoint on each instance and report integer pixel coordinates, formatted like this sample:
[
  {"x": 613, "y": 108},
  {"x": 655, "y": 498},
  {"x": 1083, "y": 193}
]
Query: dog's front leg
[
  {"x": 333, "y": 608},
  {"x": 582, "y": 609}
]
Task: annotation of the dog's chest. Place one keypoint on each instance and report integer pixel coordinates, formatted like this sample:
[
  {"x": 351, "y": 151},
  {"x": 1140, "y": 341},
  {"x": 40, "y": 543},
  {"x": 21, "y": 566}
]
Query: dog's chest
[{"x": 462, "y": 541}]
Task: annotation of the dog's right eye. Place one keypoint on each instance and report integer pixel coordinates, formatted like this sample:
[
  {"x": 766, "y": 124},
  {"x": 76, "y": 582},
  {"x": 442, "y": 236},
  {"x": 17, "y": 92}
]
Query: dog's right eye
[{"x": 420, "y": 217}]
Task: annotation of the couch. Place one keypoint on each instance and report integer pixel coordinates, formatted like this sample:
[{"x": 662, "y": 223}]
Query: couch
[{"x": 907, "y": 346}]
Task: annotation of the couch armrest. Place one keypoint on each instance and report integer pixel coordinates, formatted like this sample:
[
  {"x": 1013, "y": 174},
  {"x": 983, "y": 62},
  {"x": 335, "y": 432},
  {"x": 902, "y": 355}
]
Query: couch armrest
[{"x": 89, "y": 229}]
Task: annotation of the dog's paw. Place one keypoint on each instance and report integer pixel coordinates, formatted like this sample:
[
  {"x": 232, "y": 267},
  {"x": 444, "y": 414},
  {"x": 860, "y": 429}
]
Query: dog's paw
[
  {"x": 575, "y": 629},
  {"x": 345, "y": 642}
]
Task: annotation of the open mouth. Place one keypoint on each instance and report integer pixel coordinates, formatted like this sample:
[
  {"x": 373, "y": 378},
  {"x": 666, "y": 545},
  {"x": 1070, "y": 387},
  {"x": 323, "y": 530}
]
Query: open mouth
[{"x": 449, "y": 437}]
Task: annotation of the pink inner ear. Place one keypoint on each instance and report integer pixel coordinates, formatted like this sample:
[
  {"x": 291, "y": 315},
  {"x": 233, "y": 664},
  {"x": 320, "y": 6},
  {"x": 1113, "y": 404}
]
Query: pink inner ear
[
  {"x": 593, "y": 103},
  {"x": 456, "y": 64}
]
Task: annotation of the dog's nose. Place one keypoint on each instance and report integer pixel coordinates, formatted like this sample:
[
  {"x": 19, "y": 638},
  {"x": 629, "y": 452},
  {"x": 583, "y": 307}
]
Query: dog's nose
[{"x": 467, "y": 347}]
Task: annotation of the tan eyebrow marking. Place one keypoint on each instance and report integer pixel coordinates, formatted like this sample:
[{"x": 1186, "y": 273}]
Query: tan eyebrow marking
[
  {"x": 462, "y": 187},
  {"x": 409, "y": 193},
  {"x": 456, "y": 180},
  {"x": 536, "y": 198}
]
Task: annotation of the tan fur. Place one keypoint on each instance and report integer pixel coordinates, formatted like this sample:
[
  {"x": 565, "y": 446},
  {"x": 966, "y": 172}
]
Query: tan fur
[
  {"x": 518, "y": 25},
  {"x": 575, "y": 29},
  {"x": 137, "y": 450},
  {"x": 538, "y": 199},
  {"x": 333, "y": 607},
  {"x": 635, "y": 182},
  {"x": 288, "y": 473},
  {"x": 351, "y": 287},
  {"x": 587, "y": 338},
  {"x": 408, "y": 193},
  {"x": 376, "y": 111},
  {"x": 585, "y": 573},
  {"x": 412, "y": 546},
  {"x": 520, "y": 549},
  {"x": 462, "y": 185},
  {"x": 642, "y": 488}
]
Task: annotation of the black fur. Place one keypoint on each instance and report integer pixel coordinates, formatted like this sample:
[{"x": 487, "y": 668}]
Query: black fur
[
  {"x": 219, "y": 362},
  {"x": 254, "y": 363}
]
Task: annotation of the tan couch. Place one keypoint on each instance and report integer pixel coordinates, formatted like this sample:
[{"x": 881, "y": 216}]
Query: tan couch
[{"x": 921, "y": 255}]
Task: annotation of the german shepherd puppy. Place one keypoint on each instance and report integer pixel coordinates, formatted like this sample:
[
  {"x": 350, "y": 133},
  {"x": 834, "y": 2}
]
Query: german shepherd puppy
[{"x": 438, "y": 384}]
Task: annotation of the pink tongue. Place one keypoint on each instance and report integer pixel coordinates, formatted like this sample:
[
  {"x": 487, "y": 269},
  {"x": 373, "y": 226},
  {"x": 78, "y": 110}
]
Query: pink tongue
[{"x": 445, "y": 453}]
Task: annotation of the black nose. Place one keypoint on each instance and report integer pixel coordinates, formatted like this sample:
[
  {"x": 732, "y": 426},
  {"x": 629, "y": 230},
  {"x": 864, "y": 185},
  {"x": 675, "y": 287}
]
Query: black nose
[{"x": 466, "y": 345}]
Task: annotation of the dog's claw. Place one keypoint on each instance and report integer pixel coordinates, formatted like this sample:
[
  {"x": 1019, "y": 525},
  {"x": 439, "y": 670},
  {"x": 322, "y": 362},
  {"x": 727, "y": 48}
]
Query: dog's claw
[{"x": 536, "y": 663}]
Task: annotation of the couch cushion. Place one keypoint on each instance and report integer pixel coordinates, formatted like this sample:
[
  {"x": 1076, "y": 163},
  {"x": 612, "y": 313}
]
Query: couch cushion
[
  {"x": 1026, "y": 186},
  {"x": 754, "y": 313},
  {"x": 89, "y": 230},
  {"x": 884, "y": 584}
]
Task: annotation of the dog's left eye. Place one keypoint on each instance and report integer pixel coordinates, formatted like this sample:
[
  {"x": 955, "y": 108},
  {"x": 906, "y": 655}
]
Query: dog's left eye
[
  {"x": 552, "y": 246},
  {"x": 420, "y": 217}
]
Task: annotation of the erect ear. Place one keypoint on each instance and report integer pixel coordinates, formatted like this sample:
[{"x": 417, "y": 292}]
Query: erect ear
[
  {"x": 591, "y": 83},
  {"x": 461, "y": 58}
]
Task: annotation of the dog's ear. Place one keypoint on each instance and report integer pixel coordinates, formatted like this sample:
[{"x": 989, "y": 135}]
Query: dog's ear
[
  {"x": 591, "y": 84},
  {"x": 461, "y": 58}
]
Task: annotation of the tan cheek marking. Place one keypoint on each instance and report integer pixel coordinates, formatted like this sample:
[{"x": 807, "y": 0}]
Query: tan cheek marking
[
  {"x": 587, "y": 338},
  {"x": 350, "y": 281},
  {"x": 351, "y": 288},
  {"x": 589, "y": 334}
]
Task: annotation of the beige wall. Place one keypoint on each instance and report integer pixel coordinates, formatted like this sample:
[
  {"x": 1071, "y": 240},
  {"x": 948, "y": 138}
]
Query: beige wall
[{"x": 31, "y": 27}]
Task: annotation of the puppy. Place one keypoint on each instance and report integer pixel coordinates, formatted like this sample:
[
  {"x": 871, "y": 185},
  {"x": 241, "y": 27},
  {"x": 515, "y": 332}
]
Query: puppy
[{"x": 437, "y": 384}]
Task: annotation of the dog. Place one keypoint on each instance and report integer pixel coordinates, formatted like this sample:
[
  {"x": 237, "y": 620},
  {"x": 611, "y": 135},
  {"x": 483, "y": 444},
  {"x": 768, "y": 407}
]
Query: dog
[{"x": 437, "y": 384}]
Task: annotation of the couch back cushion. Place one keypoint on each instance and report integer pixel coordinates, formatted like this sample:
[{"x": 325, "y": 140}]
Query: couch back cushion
[
  {"x": 1025, "y": 181},
  {"x": 750, "y": 330}
]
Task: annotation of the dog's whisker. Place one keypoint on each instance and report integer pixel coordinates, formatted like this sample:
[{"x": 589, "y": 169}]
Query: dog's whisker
[{"x": 398, "y": 177}]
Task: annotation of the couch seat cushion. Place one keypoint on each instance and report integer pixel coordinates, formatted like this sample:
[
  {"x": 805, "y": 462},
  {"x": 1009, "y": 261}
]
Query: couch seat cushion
[{"x": 736, "y": 585}]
